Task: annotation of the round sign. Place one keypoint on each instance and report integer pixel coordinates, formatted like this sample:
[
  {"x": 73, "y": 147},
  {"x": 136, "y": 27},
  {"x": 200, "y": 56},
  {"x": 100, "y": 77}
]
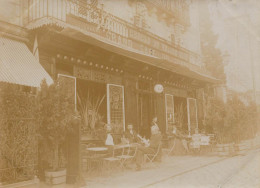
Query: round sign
[{"x": 158, "y": 88}]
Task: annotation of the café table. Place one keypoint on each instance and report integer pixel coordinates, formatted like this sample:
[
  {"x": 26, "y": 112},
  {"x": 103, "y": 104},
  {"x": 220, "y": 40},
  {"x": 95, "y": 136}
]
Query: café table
[
  {"x": 97, "y": 149},
  {"x": 95, "y": 159}
]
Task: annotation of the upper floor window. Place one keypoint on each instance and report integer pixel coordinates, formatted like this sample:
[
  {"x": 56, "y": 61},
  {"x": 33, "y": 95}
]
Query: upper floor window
[{"x": 140, "y": 18}]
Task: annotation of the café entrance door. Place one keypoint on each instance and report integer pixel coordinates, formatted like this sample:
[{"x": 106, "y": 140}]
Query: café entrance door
[{"x": 146, "y": 109}]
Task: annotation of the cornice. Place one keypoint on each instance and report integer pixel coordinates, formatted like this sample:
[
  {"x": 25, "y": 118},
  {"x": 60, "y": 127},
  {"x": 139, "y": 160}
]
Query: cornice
[{"x": 13, "y": 31}]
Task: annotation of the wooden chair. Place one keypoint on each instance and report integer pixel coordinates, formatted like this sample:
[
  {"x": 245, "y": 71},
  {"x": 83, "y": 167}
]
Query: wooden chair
[{"x": 152, "y": 156}]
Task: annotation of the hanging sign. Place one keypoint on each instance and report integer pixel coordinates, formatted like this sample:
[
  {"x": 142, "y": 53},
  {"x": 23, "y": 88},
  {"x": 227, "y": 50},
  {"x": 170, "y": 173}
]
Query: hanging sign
[{"x": 158, "y": 88}]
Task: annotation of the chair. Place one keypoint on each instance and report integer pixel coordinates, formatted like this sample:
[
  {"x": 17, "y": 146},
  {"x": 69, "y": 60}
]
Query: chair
[
  {"x": 152, "y": 156},
  {"x": 170, "y": 149},
  {"x": 128, "y": 156},
  {"x": 112, "y": 161}
]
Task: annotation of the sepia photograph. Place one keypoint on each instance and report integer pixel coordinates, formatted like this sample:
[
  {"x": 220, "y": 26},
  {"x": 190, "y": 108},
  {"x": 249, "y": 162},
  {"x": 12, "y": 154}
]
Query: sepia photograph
[{"x": 129, "y": 94}]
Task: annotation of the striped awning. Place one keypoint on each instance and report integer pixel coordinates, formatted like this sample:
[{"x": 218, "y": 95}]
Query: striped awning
[{"x": 19, "y": 66}]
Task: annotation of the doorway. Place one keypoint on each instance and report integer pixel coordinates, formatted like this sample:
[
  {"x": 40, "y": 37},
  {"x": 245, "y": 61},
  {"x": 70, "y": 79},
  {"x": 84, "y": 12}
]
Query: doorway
[
  {"x": 146, "y": 112},
  {"x": 180, "y": 114}
]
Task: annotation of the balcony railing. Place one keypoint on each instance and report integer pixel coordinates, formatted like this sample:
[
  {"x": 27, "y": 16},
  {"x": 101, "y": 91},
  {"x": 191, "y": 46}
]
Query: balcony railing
[{"x": 79, "y": 14}]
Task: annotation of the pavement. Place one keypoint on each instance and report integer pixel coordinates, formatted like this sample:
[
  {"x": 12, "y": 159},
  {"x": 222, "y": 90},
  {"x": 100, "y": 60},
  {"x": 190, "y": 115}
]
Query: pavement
[
  {"x": 171, "y": 166},
  {"x": 185, "y": 171}
]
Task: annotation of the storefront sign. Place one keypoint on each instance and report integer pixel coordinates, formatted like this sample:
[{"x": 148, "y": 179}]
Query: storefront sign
[
  {"x": 158, "y": 88},
  {"x": 96, "y": 76},
  {"x": 113, "y": 29}
]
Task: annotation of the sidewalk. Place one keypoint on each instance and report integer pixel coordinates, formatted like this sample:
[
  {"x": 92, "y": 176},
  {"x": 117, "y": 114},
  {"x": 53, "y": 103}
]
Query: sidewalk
[{"x": 170, "y": 166}]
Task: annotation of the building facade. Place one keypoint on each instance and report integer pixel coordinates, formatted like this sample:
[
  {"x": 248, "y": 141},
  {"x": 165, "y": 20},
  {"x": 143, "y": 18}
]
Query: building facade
[{"x": 143, "y": 56}]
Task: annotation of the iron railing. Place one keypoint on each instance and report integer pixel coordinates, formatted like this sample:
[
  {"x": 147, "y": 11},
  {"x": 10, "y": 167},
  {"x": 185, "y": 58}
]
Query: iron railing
[{"x": 85, "y": 17}]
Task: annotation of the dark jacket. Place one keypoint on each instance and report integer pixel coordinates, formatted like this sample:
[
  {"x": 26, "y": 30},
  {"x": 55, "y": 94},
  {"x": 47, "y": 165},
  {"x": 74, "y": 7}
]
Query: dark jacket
[
  {"x": 155, "y": 140},
  {"x": 131, "y": 137}
]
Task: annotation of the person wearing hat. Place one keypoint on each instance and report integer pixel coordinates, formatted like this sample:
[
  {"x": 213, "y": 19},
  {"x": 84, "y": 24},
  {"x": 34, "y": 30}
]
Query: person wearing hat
[{"x": 154, "y": 142}]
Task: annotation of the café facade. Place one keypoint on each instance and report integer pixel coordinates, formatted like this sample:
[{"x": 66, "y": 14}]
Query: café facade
[{"x": 141, "y": 74}]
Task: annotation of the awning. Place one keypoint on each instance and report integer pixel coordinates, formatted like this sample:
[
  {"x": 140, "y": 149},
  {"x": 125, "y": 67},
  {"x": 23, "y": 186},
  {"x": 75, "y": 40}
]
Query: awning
[
  {"x": 19, "y": 66},
  {"x": 96, "y": 40}
]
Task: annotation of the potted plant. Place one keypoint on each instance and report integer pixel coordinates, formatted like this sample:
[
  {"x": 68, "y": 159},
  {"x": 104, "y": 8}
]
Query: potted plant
[
  {"x": 55, "y": 113},
  {"x": 92, "y": 121}
]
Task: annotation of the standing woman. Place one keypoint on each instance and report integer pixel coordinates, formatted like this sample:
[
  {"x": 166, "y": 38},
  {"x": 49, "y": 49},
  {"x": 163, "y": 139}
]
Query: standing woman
[{"x": 154, "y": 123}]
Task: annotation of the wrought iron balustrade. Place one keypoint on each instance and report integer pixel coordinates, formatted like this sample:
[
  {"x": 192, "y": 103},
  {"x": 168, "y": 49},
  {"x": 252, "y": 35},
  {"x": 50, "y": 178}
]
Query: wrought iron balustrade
[{"x": 85, "y": 17}]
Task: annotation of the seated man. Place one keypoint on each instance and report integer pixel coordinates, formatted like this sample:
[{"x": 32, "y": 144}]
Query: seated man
[
  {"x": 129, "y": 135},
  {"x": 155, "y": 140}
]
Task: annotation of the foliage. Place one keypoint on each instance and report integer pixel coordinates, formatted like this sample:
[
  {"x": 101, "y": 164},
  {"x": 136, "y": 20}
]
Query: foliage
[
  {"x": 241, "y": 119},
  {"x": 231, "y": 122},
  {"x": 18, "y": 145},
  {"x": 89, "y": 110},
  {"x": 55, "y": 114},
  {"x": 212, "y": 56},
  {"x": 215, "y": 111}
]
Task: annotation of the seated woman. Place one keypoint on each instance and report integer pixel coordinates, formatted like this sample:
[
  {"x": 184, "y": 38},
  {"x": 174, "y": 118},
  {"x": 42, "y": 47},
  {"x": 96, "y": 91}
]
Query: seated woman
[
  {"x": 109, "y": 142},
  {"x": 151, "y": 148}
]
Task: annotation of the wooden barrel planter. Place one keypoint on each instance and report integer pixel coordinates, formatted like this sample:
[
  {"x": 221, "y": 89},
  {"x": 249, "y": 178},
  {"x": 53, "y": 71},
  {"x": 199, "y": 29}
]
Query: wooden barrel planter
[{"x": 55, "y": 177}]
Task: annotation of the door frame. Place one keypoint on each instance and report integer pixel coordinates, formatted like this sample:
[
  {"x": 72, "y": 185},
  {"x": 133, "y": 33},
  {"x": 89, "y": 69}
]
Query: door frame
[
  {"x": 188, "y": 113},
  {"x": 172, "y": 96}
]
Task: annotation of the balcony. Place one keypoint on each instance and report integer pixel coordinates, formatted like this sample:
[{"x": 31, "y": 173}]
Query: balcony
[{"x": 85, "y": 18}]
